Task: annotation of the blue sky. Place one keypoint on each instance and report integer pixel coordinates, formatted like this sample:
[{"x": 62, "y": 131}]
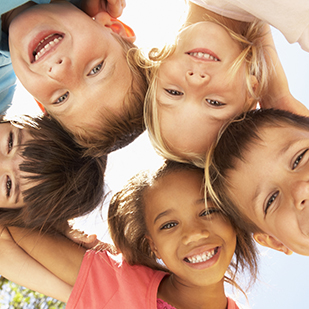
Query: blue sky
[{"x": 283, "y": 279}]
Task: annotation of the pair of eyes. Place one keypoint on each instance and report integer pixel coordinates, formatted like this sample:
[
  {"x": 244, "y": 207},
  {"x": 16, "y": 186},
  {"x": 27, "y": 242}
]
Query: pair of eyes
[
  {"x": 8, "y": 183},
  {"x": 94, "y": 71},
  {"x": 214, "y": 103},
  {"x": 204, "y": 213},
  {"x": 273, "y": 197}
]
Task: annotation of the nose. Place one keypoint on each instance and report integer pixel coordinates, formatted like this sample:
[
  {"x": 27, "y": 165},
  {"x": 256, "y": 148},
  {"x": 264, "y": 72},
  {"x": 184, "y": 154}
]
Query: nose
[
  {"x": 197, "y": 77},
  {"x": 193, "y": 233},
  {"x": 300, "y": 194},
  {"x": 61, "y": 70}
]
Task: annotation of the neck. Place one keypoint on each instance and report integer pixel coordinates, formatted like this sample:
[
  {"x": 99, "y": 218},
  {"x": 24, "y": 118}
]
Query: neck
[
  {"x": 183, "y": 296},
  {"x": 198, "y": 14}
]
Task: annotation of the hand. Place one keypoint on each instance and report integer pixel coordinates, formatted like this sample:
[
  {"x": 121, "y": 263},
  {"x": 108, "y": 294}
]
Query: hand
[
  {"x": 113, "y": 7},
  {"x": 79, "y": 237}
]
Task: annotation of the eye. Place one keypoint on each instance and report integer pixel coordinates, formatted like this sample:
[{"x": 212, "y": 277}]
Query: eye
[
  {"x": 8, "y": 186},
  {"x": 10, "y": 142},
  {"x": 62, "y": 98},
  {"x": 298, "y": 159},
  {"x": 96, "y": 69},
  {"x": 270, "y": 201},
  {"x": 174, "y": 92},
  {"x": 168, "y": 226},
  {"x": 214, "y": 102},
  {"x": 209, "y": 211}
]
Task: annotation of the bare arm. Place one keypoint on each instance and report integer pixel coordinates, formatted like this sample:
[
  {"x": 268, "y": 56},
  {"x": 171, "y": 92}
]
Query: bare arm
[
  {"x": 278, "y": 95},
  {"x": 17, "y": 266},
  {"x": 58, "y": 254}
]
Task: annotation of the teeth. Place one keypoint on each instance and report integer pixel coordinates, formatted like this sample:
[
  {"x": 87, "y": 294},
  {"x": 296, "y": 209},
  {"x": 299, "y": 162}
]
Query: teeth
[
  {"x": 202, "y": 257},
  {"x": 39, "y": 54},
  {"x": 203, "y": 56}
]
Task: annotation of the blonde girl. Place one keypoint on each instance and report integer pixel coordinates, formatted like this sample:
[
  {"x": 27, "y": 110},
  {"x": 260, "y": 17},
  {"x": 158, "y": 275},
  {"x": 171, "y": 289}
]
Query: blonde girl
[
  {"x": 217, "y": 68},
  {"x": 162, "y": 216}
]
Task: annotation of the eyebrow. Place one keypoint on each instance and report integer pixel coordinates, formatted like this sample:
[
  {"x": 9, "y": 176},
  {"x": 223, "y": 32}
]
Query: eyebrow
[
  {"x": 17, "y": 191},
  {"x": 17, "y": 186}
]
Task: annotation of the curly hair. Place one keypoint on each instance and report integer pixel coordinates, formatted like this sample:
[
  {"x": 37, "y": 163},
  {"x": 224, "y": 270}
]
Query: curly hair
[{"x": 126, "y": 219}]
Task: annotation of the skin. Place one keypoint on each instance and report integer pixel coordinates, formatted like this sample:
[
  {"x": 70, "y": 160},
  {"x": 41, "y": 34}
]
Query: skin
[
  {"x": 197, "y": 95},
  {"x": 271, "y": 187},
  {"x": 180, "y": 227},
  {"x": 10, "y": 176},
  {"x": 75, "y": 85}
]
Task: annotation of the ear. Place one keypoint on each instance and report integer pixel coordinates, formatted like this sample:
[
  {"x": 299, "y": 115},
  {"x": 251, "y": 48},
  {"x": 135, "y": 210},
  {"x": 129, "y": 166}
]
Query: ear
[
  {"x": 153, "y": 246},
  {"x": 271, "y": 242},
  {"x": 115, "y": 25}
]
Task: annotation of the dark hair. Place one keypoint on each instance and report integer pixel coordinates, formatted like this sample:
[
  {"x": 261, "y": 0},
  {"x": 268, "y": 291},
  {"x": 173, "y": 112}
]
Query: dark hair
[
  {"x": 66, "y": 183},
  {"x": 127, "y": 225},
  {"x": 235, "y": 140}
]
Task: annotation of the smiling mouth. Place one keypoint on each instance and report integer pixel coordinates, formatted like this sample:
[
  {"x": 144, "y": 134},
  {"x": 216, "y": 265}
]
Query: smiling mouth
[
  {"x": 203, "y": 257},
  {"x": 204, "y": 56},
  {"x": 46, "y": 44}
]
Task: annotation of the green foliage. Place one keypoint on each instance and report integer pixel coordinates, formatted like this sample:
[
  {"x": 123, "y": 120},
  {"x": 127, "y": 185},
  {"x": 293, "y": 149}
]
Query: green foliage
[{"x": 13, "y": 296}]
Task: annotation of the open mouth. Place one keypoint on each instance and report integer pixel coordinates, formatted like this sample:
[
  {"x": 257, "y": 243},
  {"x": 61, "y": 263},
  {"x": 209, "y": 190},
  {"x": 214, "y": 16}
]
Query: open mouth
[
  {"x": 45, "y": 45},
  {"x": 203, "y": 257},
  {"x": 203, "y": 54}
]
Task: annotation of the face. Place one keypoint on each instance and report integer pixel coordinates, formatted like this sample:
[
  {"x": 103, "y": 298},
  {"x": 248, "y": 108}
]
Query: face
[
  {"x": 69, "y": 62},
  {"x": 10, "y": 176},
  {"x": 195, "y": 244},
  {"x": 271, "y": 185},
  {"x": 196, "y": 93}
]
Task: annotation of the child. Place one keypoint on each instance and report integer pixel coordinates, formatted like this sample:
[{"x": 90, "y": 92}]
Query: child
[
  {"x": 156, "y": 217},
  {"x": 218, "y": 68},
  {"x": 258, "y": 173},
  {"x": 80, "y": 64},
  {"x": 45, "y": 176}
]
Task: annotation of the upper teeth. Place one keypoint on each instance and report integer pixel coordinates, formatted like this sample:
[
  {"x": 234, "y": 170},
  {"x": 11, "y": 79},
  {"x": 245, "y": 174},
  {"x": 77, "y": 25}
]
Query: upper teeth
[
  {"x": 40, "y": 53},
  {"x": 201, "y": 257},
  {"x": 204, "y": 56}
]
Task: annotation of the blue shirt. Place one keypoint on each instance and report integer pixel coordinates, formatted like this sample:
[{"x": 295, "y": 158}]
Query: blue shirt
[{"x": 7, "y": 75}]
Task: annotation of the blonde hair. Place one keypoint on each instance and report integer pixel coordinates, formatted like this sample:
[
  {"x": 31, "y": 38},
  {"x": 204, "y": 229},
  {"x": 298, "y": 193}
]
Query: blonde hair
[{"x": 252, "y": 54}]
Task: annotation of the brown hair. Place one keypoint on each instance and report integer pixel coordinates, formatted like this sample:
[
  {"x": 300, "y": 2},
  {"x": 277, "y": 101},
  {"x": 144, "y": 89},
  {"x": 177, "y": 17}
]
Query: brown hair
[
  {"x": 119, "y": 130},
  {"x": 127, "y": 225},
  {"x": 234, "y": 142},
  {"x": 66, "y": 183}
]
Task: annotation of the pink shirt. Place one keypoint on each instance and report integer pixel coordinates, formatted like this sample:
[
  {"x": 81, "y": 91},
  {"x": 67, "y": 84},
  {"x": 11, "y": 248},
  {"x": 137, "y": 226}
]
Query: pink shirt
[{"x": 108, "y": 281}]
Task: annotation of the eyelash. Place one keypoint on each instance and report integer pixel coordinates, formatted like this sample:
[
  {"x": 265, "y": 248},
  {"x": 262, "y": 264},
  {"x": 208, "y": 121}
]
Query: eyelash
[
  {"x": 174, "y": 92},
  {"x": 298, "y": 159},
  {"x": 10, "y": 142},
  {"x": 98, "y": 67},
  {"x": 168, "y": 226},
  {"x": 270, "y": 201},
  {"x": 8, "y": 186},
  {"x": 214, "y": 103},
  {"x": 209, "y": 212},
  {"x": 62, "y": 98}
]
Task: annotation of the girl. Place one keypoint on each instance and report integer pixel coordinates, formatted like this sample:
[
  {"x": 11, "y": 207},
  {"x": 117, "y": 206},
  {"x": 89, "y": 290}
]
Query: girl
[
  {"x": 155, "y": 217},
  {"x": 258, "y": 173},
  {"x": 80, "y": 64},
  {"x": 218, "y": 68}
]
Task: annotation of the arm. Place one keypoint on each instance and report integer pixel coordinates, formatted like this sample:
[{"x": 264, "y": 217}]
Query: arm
[
  {"x": 112, "y": 7},
  {"x": 17, "y": 266},
  {"x": 278, "y": 94},
  {"x": 56, "y": 253}
]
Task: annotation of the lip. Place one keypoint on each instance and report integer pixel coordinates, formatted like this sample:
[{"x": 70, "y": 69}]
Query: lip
[
  {"x": 206, "y": 264},
  {"x": 204, "y": 51},
  {"x": 37, "y": 39}
]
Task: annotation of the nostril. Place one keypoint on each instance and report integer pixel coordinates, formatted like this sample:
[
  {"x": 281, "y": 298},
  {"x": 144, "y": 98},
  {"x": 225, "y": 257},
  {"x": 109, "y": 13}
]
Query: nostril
[
  {"x": 303, "y": 202},
  {"x": 190, "y": 73},
  {"x": 203, "y": 76},
  {"x": 59, "y": 61}
]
